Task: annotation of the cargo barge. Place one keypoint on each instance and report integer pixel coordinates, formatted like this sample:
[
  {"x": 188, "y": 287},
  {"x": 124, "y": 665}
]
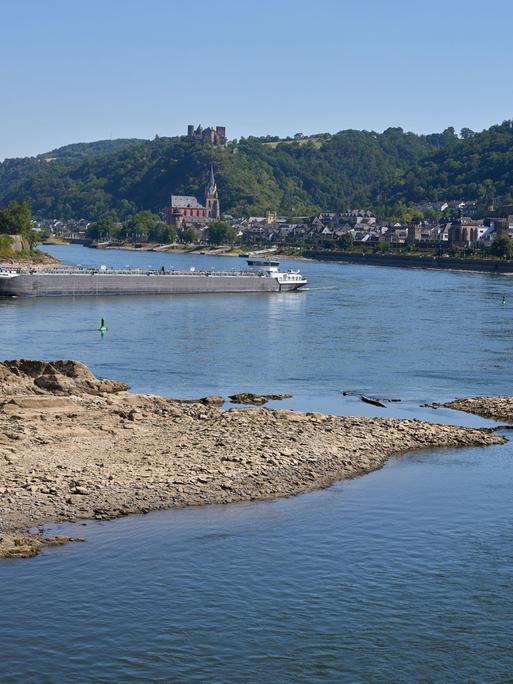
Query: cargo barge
[{"x": 104, "y": 281}]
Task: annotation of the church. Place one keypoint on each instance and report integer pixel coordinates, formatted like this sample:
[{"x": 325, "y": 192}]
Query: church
[{"x": 185, "y": 209}]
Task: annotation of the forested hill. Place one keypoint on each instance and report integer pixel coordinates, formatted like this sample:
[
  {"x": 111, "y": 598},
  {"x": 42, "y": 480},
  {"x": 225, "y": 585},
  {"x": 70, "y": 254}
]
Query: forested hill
[
  {"x": 479, "y": 166},
  {"x": 77, "y": 151},
  {"x": 329, "y": 172}
]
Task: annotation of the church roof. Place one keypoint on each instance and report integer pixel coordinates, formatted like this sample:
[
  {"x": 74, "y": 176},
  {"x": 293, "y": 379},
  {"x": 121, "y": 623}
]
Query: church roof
[{"x": 185, "y": 202}]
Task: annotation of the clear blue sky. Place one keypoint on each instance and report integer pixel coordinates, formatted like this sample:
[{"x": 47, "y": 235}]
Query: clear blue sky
[{"x": 81, "y": 70}]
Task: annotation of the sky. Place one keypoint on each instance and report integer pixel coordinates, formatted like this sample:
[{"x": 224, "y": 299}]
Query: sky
[{"x": 83, "y": 70}]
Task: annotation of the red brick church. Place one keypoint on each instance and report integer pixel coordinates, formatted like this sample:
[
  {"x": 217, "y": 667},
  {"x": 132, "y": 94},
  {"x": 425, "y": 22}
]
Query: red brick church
[{"x": 186, "y": 209}]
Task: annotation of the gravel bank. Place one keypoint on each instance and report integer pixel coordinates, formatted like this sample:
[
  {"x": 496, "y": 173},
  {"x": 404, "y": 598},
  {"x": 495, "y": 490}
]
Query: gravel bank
[
  {"x": 73, "y": 447},
  {"x": 497, "y": 408}
]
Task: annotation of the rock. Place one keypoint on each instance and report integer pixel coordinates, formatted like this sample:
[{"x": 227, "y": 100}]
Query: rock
[
  {"x": 374, "y": 402},
  {"x": 56, "y": 377},
  {"x": 257, "y": 399},
  {"x": 38, "y": 403},
  {"x": 212, "y": 400}
]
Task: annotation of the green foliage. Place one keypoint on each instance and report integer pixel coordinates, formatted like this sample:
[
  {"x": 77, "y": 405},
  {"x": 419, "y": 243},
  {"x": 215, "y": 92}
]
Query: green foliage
[
  {"x": 477, "y": 167},
  {"x": 142, "y": 227},
  {"x": 187, "y": 235},
  {"x": 294, "y": 178},
  {"x": 383, "y": 247},
  {"x": 102, "y": 229},
  {"x": 389, "y": 171},
  {"x": 221, "y": 233},
  {"x": 16, "y": 219},
  {"x": 5, "y": 245},
  {"x": 345, "y": 241},
  {"x": 502, "y": 247},
  {"x": 77, "y": 151}
]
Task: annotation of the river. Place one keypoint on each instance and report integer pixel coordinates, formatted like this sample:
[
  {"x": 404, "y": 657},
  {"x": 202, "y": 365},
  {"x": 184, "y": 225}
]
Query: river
[{"x": 403, "y": 575}]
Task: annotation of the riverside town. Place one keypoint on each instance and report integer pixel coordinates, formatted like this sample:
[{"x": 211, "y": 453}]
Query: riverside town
[
  {"x": 256, "y": 332},
  {"x": 208, "y": 215}
]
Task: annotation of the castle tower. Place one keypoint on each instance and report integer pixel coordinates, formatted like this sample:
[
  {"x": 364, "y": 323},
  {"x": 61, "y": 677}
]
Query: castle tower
[{"x": 211, "y": 197}]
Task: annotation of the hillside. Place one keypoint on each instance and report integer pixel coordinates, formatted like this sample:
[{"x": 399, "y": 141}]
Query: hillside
[
  {"x": 77, "y": 151},
  {"x": 329, "y": 172},
  {"x": 477, "y": 167}
]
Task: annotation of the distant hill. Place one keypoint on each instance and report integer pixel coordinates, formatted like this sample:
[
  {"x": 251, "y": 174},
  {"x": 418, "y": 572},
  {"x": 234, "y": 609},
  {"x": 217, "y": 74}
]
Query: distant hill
[
  {"x": 77, "y": 151},
  {"x": 324, "y": 172}
]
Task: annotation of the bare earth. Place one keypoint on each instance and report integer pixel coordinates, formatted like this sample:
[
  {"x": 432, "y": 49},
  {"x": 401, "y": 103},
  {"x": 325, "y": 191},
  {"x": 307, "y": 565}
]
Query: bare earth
[{"x": 73, "y": 446}]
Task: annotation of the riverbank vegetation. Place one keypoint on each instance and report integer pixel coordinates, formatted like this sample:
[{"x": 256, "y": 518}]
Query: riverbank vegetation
[
  {"x": 138, "y": 228},
  {"x": 17, "y": 236}
]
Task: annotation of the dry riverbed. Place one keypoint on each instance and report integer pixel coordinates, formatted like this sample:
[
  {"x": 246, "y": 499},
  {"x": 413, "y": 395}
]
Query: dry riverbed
[
  {"x": 497, "y": 408},
  {"x": 74, "y": 447}
]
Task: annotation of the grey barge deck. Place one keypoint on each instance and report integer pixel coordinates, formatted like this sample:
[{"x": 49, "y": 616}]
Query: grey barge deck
[{"x": 75, "y": 282}]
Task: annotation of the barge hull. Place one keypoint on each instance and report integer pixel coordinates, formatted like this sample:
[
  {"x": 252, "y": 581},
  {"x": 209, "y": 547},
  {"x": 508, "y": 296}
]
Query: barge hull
[{"x": 45, "y": 284}]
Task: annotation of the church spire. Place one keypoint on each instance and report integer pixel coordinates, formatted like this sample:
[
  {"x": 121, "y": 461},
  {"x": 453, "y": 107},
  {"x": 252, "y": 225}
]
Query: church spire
[
  {"x": 212, "y": 187},
  {"x": 211, "y": 196}
]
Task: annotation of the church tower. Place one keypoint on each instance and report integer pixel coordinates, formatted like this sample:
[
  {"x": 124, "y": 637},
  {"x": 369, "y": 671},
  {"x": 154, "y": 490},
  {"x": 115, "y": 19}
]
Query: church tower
[{"x": 211, "y": 197}]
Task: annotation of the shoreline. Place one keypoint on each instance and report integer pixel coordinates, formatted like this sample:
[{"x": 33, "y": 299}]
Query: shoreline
[
  {"x": 465, "y": 264},
  {"x": 199, "y": 251},
  {"x": 73, "y": 447}
]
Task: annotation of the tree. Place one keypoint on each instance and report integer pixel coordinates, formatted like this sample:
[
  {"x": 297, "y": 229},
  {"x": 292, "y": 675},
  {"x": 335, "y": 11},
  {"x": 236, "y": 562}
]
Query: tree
[
  {"x": 466, "y": 133},
  {"x": 161, "y": 232},
  {"x": 102, "y": 229},
  {"x": 221, "y": 233},
  {"x": 502, "y": 247},
  {"x": 345, "y": 241},
  {"x": 187, "y": 235},
  {"x": 143, "y": 226},
  {"x": 16, "y": 219}
]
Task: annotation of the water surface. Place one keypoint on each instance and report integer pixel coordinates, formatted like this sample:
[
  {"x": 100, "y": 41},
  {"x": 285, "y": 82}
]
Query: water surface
[{"x": 403, "y": 575}]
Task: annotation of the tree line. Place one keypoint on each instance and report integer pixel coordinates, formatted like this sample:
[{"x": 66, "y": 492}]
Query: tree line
[{"x": 148, "y": 227}]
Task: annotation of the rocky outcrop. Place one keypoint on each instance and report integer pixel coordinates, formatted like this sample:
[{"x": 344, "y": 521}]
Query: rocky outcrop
[
  {"x": 36, "y": 260},
  {"x": 23, "y": 376},
  {"x": 20, "y": 545},
  {"x": 251, "y": 398},
  {"x": 497, "y": 408},
  {"x": 84, "y": 448}
]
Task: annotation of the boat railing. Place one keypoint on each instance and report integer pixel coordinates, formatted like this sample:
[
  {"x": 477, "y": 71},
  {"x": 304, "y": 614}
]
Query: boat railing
[{"x": 132, "y": 271}]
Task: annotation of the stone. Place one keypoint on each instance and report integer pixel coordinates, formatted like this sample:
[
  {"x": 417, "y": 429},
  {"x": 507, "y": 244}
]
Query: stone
[{"x": 212, "y": 400}]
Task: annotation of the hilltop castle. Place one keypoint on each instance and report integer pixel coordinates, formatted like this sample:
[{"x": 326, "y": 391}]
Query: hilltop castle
[
  {"x": 215, "y": 136},
  {"x": 185, "y": 209}
]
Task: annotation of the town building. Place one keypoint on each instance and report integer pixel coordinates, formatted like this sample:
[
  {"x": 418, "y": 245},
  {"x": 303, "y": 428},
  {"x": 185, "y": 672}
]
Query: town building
[
  {"x": 214, "y": 136},
  {"x": 186, "y": 209},
  {"x": 464, "y": 231}
]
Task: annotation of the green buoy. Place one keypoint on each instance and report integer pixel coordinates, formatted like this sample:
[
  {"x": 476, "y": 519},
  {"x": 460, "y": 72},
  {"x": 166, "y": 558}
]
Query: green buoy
[{"x": 103, "y": 327}]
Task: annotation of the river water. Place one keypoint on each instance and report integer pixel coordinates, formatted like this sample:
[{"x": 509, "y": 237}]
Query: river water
[{"x": 404, "y": 575}]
